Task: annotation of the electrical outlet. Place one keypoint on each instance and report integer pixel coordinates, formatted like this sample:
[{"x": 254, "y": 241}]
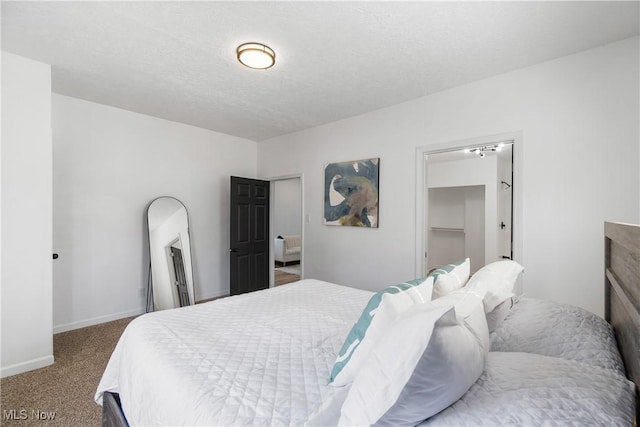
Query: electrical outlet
[{"x": 142, "y": 292}]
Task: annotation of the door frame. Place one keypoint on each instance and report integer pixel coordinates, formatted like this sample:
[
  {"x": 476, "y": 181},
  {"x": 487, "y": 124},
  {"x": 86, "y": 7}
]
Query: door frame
[
  {"x": 272, "y": 234},
  {"x": 422, "y": 201}
]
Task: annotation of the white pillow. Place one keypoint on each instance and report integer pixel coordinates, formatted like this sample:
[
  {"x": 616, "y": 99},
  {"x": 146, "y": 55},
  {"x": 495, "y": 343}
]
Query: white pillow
[
  {"x": 450, "y": 278},
  {"x": 470, "y": 309},
  {"x": 494, "y": 282},
  {"x": 380, "y": 311},
  {"x": 495, "y": 317},
  {"x": 426, "y": 360}
]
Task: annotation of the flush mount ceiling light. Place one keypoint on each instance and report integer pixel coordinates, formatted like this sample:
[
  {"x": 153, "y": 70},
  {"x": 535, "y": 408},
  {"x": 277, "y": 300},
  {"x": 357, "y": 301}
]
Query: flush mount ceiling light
[{"x": 256, "y": 55}]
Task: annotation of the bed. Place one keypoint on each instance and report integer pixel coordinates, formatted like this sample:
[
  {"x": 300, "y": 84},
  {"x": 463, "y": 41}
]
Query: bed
[{"x": 265, "y": 358}]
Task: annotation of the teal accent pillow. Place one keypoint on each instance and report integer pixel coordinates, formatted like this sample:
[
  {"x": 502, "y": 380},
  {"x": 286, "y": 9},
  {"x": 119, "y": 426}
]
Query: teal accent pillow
[{"x": 382, "y": 308}]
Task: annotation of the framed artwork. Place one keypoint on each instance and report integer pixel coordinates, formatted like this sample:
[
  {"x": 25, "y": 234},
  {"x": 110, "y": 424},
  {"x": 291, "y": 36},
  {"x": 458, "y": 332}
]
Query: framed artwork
[{"x": 351, "y": 193}]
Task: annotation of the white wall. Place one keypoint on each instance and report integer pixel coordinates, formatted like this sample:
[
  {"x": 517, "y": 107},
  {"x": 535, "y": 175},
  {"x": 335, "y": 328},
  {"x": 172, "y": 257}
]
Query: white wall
[
  {"x": 287, "y": 210},
  {"x": 27, "y": 338},
  {"x": 579, "y": 119},
  {"x": 475, "y": 236},
  {"x": 108, "y": 165},
  {"x": 446, "y": 210},
  {"x": 462, "y": 211},
  {"x": 471, "y": 172}
]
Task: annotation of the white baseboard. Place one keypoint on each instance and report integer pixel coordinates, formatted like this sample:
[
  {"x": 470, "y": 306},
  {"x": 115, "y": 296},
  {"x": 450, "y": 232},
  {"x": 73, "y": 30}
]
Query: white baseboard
[
  {"x": 115, "y": 316},
  {"x": 29, "y": 365},
  {"x": 96, "y": 320}
]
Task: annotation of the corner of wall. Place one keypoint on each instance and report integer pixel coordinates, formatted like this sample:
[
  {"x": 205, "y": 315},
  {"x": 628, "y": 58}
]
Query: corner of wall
[{"x": 27, "y": 194}]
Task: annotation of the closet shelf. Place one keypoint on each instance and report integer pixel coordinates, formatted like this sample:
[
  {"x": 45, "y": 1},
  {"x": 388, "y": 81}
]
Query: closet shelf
[{"x": 456, "y": 230}]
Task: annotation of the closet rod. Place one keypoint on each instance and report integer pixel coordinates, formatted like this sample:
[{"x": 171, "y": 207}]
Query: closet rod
[{"x": 461, "y": 230}]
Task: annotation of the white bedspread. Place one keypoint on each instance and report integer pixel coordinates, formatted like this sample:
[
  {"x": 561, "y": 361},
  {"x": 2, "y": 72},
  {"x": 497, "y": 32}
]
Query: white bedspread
[
  {"x": 256, "y": 359},
  {"x": 523, "y": 389},
  {"x": 558, "y": 330}
]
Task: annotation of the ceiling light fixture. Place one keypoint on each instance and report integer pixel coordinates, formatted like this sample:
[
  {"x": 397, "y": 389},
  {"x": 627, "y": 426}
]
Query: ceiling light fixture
[
  {"x": 480, "y": 150},
  {"x": 256, "y": 55}
]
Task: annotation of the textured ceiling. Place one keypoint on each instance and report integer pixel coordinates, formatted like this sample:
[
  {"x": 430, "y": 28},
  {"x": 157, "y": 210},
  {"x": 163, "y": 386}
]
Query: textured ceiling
[{"x": 176, "y": 60}]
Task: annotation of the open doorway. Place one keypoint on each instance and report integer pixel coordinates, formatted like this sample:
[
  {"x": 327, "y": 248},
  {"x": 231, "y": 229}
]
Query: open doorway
[
  {"x": 177, "y": 273},
  {"x": 287, "y": 230},
  {"x": 467, "y": 203},
  {"x": 468, "y": 214}
]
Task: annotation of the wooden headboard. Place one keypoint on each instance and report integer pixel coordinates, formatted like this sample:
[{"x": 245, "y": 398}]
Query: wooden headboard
[{"x": 622, "y": 294}]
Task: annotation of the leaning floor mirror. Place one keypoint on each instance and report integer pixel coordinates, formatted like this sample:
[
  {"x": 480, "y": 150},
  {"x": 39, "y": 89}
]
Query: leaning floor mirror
[{"x": 170, "y": 274}]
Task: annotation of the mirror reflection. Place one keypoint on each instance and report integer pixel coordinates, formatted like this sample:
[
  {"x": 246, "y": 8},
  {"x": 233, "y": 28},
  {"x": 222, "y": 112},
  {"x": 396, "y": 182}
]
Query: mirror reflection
[{"x": 171, "y": 275}]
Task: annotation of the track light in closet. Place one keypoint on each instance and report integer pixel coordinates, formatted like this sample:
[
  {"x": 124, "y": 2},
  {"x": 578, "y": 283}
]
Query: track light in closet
[{"x": 480, "y": 150}]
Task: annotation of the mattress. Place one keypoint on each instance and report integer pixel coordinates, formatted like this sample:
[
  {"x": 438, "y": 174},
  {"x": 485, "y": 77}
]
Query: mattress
[{"x": 256, "y": 359}]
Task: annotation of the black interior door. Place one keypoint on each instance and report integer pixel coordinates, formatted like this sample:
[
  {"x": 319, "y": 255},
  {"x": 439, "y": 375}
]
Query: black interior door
[
  {"x": 181, "y": 279},
  {"x": 249, "y": 248}
]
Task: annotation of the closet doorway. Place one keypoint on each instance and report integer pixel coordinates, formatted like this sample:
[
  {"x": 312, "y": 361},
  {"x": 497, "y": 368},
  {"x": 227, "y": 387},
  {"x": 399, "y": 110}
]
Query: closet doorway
[
  {"x": 287, "y": 230},
  {"x": 468, "y": 205}
]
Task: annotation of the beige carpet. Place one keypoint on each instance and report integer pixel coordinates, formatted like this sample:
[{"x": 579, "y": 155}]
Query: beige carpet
[{"x": 67, "y": 387}]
